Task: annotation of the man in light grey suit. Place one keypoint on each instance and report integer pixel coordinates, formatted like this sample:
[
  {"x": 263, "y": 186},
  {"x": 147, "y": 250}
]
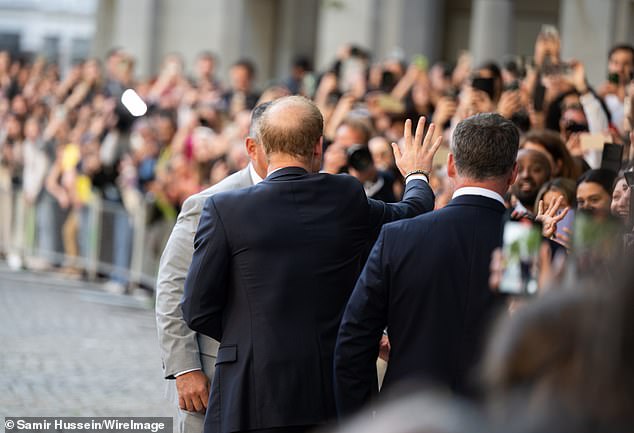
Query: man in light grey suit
[{"x": 189, "y": 357}]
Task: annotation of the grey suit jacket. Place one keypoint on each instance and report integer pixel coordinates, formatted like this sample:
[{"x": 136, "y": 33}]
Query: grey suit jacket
[{"x": 181, "y": 348}]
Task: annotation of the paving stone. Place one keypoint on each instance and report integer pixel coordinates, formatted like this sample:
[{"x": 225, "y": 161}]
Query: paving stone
[{"x": 68, "y": 349}]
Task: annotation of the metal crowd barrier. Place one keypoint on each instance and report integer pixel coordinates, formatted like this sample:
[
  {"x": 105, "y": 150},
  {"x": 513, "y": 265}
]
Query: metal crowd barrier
[{"x": 32, "y": 236}]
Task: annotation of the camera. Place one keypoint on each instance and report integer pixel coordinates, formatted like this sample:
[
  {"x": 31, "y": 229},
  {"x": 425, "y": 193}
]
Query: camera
[
  {"x": 550, "y": 68},
  {"x": 487, "y": 85},
  {"x": 573, "y": 127},
  {"x": 360, "y": 158},
  {"x": 512, "y": 86},
  {"x": 614, "y": 78}
]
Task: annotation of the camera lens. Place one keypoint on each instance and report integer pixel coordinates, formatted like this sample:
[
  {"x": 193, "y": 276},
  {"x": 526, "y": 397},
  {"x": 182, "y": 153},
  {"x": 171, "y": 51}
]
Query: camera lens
[{"x": 359, "y": 158}]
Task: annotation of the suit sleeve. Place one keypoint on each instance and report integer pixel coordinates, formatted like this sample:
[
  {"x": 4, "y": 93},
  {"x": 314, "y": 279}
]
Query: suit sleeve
[
  {"x": 206, "y": 284},
  {"x": 418, "y": 198},
  {"x": 178, "y": 343},
  {"x": 359, "y": 335}
]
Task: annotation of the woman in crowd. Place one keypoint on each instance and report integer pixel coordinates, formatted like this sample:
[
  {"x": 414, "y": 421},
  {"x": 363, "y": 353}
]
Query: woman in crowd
[
  {"x": 551, "y": 145},
  {"x": 620, "y": 206},
  {"x": 555, "y": 188},
  {"x": 621, "y": 196},
  {"x": 594, "y": 192}
]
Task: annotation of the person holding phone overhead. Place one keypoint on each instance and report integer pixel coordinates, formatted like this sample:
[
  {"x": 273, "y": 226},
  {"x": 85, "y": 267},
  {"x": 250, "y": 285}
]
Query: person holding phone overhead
[
  {"x": 614, "y": 90},
  {"x": 426, "y": 279}
]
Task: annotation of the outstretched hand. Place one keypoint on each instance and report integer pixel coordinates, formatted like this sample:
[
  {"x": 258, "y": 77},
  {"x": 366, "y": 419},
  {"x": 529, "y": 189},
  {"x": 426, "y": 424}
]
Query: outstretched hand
[
  {"x": 417, "y": 153},
  {"x": 550, "y": 217}
]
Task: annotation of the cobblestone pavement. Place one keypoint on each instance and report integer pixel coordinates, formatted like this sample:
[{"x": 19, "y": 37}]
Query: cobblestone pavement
[{"x": 69, "y": 349}]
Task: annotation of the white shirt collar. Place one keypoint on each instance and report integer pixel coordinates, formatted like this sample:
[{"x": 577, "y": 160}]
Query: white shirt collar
[
  {"x": 476, "y": 190},
  {"x": 255, "y": 177},
  {"x": 372, "y": 188}
]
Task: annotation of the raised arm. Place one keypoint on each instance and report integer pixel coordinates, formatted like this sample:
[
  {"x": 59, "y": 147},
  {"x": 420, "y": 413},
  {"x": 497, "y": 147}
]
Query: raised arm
[{"x": 415, "y": 163}]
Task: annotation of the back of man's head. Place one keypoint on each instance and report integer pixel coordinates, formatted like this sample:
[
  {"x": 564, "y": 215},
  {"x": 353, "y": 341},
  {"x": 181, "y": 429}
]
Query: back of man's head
[
  {"x": 291, "y": 125},
  {"x": 485, "y": 146},
  {"x": 256, "y": 117}
]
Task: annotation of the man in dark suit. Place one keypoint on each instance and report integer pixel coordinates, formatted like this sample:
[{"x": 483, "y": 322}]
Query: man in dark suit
[
  {"x": 426, "y": 279},
  {"x": 188, "y": 357},
  {"x": 273, "y": 267}
]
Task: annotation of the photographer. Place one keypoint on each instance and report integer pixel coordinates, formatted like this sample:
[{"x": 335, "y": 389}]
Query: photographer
[
  {"x": 352, "y": 130},
  {"x": 574, "y": 92},
  {"x": 614, "y": 90}
]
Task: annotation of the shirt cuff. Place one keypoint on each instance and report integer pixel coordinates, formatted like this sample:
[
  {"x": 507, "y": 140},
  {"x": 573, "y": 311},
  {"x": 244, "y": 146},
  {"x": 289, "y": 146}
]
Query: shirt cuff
[
  {"x": 416, "y": 176},
  {"x": 186, "y": 371}
]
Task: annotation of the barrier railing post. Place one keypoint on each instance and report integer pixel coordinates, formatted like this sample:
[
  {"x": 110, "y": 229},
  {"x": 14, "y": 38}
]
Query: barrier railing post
[
  {"x": 138, "y": 243},
  {"x": 94, "y": 242}
]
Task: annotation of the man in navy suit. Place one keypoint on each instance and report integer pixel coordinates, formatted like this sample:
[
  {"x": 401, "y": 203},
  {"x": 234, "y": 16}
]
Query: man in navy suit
[
  {"x": 426, "y": 279},
  {"x": 274, "y": 265}
]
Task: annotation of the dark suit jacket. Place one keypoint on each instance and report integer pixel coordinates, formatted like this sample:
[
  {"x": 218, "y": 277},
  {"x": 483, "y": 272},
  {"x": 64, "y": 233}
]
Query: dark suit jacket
[
  {"x": 427, "y": 280},
  {"x": 273, "y": 267}
]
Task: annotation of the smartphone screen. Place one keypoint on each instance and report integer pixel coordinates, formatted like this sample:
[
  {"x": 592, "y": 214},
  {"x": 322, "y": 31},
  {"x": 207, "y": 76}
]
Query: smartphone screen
[
  {"x": 520, "y": 251},
  {"x": 612, "y": 156},
  {"x": 487, "y": 85},
  {"x": 352, "y": 70},
  {"x": 566, "y": 225},
  {"x": 390, "y": 104},
  {"x": 538, "y": 97},
  {"x": 420, "y": 61}
]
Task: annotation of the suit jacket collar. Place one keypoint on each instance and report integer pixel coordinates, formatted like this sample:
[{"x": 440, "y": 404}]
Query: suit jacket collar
[
  {"x": 286, "y": 173},
  {"x": 245, "y": 176},
  {"x": 477, "y": 200}
]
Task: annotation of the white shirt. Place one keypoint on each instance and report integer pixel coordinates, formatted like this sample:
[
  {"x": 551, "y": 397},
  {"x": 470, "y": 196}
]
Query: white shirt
[
  {"x": 416, "y": 176},
  {"x": 476, "y": 190},
  {"x": 255, "y": 177},
  {"x": 597, "y": 119},
  {"x": 617, "y": 109}
]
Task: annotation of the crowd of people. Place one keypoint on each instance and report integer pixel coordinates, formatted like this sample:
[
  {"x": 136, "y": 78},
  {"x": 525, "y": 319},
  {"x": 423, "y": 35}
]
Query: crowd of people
[
  {"x": 68, "y": 141},
  {"x": 65, "y": 140}
]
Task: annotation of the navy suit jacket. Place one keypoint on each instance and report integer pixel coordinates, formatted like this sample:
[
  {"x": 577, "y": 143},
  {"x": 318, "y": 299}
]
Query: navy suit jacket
[
  {"x": 426, "y": 280},
  {"x": 273, "y": 267}
]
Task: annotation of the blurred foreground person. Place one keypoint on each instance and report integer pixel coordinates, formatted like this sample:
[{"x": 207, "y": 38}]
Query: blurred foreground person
[
  {"x": 419, "y": 412},
  {"x": 274, "y": 265},
  {"x": 564, "y": 362},
  {"x": 426, "y": 279},
  {"x": 189, "y": 357}
]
